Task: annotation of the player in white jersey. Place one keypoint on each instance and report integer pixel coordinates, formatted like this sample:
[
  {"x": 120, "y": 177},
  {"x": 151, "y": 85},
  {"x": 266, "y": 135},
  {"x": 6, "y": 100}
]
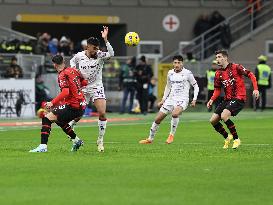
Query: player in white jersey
[
  {"x": 175, "y": 99},
  {"x": 90, "y": 63}
]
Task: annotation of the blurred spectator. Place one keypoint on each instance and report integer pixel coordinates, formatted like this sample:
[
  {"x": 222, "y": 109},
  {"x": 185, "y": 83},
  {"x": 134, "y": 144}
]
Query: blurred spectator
[
  {"x": 71, "y": 46},
  {"x": 226, "y": 37},
  {"x": 42, "y": 44},
  {"x": 14, "y": 70},
  {"x": 41, "y": 92},
  {"x": 53, "y": 46},
  {"x": 151, "y": 97},
  {"x": 128, "y": 83},
  {"x": 190, "y": 58},
  {"x": 223, "y": 32},
  {"x": 64, "y": 47},
  {"x": 80, "y": 46},
  {"x": 144, "y": 75},
  {"x": 26, "y": 46},
  {"x": 19, "y": 102},
  {"x": 263, "y": 76},
  {"x": 254, "y": 9},
  {"x": 201, "y": 25},
  {"x": 84, "y": 44},
  {"x": 10, "y": 46},
  {"x": 210, "y": 83},
  {"x": 216, "y": 18}
]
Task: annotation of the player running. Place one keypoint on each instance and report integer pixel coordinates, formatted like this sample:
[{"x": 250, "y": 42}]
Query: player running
[
  {"x": 230, "y": 77},
  {"x": 90, "y": 63},
  {"x": 68, "y": 105},
  {"x": 175, "y": 99}
]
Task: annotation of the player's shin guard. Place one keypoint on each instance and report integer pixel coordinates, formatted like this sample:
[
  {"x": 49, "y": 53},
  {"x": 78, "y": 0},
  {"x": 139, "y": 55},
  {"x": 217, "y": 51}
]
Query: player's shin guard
[
  {"x": 219, "y": 128},
  {"x": 45, "y": 131},
  {"x": 174, "y": 124},
  {"x": 153, "y": 130},
  {"x": 67, "y": 129},
  {"x": 232, "y": 129},
  {"x": 102, "y": 127}
]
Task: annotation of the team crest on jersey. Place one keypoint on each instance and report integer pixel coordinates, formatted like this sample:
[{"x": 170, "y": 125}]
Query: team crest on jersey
[
  {"x": 62, "y": 82},
  {"x": 228, "y": 82}
]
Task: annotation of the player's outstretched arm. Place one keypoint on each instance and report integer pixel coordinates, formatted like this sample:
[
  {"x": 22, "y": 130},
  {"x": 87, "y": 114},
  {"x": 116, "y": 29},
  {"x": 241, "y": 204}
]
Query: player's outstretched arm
[
  {"x": 252, "y": 77},
  {"x": 110, "y": 51},
  {"x": 104, "y": 34}
]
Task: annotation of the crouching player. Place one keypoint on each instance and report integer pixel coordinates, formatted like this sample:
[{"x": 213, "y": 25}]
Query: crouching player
[
  {"x": 68, "y": 105},
  {"x": 175, "y": 99}
]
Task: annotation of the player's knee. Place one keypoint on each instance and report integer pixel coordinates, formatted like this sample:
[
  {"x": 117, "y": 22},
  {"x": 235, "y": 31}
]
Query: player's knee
[
  {"x": 175, "y": 115},
  {"x": 224, "y": 116},
  {"x": 102, "y": 115},
  {"x": 158, "y": 121},
  {"x": 212, "y": 121}
]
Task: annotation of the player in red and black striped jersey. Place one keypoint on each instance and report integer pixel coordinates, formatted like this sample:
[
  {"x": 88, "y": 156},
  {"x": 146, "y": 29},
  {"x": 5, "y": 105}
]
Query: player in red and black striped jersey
[
  {"x": 230, "y": 76},
  {"x": 67, "y": 106}
]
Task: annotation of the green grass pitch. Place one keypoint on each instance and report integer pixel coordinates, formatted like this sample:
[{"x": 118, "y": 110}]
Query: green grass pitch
[{"x": 193, "y": 170}]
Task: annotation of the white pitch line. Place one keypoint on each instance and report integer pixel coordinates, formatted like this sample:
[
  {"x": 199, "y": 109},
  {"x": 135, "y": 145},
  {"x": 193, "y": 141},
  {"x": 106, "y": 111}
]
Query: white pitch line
[{"x": 189, "y": 143}]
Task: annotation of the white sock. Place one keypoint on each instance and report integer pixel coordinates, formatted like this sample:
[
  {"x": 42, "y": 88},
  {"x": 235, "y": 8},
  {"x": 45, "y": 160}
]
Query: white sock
[
  {"x": 153, "y": 130},
  {"x": 174, "y": 124},
  {"x": 102, "y": 128},
  {"x": 75, "y": 140}
]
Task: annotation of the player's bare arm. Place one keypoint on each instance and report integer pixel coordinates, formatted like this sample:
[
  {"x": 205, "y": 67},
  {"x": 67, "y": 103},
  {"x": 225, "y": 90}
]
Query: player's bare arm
[
  {"x": 193, "y": 103},
  {"x": 256, "y": 94},
  {"x": 104, "y": 33},
  {"x": 160, "y": 103},
  {"x": 209, "y": 104}
]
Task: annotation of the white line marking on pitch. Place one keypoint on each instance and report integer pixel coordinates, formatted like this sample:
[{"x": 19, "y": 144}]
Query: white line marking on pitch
[{"x": 189, "y": 143}]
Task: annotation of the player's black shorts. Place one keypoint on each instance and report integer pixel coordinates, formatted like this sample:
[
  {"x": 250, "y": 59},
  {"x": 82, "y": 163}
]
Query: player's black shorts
[
  {"x": 65, "y": 113},
  {"x": 234, "y": 106}
]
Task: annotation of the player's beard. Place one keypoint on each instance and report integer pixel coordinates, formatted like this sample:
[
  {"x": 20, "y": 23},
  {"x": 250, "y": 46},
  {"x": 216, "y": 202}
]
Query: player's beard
[
  {"x": 94, "y": 55},
  {"x": 177, "y": 70}
]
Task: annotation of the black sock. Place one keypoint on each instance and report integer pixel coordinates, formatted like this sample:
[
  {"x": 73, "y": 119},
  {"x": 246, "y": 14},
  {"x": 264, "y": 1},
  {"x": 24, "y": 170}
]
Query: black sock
[
  {"x": 219, "y": 128},
  {"x": 232, "y": 129},
  {"x": 45, "y": 131},
  {"x": 67, "y": 129}
]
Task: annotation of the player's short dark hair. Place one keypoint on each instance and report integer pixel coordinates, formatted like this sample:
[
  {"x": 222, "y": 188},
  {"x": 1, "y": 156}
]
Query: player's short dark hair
[
  {"x": 93, "y": 41},
  {"x": 57, "y": 59},
  {"x": 178, "y": 57},
  {"x": 223, "y": 52}
]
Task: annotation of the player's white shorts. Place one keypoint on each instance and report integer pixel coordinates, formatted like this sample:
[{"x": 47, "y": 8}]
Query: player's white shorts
[
  {"x": 169, "y": 105},
  {"x": 94, "y": 93}
]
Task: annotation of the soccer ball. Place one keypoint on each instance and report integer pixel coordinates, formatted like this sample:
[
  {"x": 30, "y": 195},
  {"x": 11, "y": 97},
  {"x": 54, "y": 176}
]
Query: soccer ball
[{"x": 131, "y": 39}]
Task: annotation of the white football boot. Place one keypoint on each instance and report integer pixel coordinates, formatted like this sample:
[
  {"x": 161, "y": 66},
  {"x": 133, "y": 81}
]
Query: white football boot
[{"x": 40, "y": 148}]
